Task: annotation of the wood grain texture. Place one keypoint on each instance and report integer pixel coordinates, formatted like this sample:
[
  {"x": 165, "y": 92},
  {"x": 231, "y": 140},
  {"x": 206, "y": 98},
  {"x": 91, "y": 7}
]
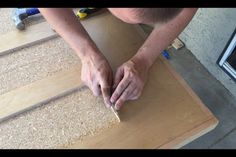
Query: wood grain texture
[
  {"x": 167, "y": 115},
  {"x": 32, "y": 35},
  {"x": 39, "y": 92}
]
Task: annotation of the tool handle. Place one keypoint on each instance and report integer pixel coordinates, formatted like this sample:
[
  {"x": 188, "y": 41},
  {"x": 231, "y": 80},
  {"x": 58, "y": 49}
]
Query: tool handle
[
  {"x": 32, "y": 11},
  {"x": 83, "y": 12},
  {"x": 166, "y": 54}
]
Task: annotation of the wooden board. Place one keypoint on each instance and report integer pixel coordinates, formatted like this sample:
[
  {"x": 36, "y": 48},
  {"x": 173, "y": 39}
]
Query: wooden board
[
  {"x": 177, "y": 44},
  {"x": 168, "y": 114},
  {"x": 32, "y": 35},
  {"x": 39, "y": 92},
  {"x": 36, "y": 33}
]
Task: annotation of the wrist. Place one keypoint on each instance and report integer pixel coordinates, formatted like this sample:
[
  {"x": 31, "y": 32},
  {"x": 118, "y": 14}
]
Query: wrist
[
  {"x": 143, "y": 60},
  {"x": 88, "y": 51}
]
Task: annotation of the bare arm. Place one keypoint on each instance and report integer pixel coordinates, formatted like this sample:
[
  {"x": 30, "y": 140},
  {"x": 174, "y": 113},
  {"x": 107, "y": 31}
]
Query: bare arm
[
  {"x": 68, "y": 26},
  {"x": 96, "y": 72},
  {"x": 161, "y": 37}
]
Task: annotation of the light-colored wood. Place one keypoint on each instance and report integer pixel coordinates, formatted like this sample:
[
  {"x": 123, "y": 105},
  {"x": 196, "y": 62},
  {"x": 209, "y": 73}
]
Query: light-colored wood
[
  {"x": 201, "y": 129},
  {"x": 32, "y": 35},
  {"x": 39, "y": 92},
  {"x": 167, "y": 115},
  {"x": 177, "y": 44},
  {"x": 191, "y": 135}
]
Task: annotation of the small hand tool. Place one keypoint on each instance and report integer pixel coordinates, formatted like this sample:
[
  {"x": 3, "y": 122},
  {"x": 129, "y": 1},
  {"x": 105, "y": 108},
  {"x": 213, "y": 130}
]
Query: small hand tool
[{"x": 19, "y": 14}]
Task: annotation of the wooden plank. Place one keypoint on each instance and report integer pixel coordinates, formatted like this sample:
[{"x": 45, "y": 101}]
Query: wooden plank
[
  {"x": 39, "y": 92},
  {"x": 168, "y": 114},
  {"x": 177, "y": 44},
  {"x": 34, "y": 34}
]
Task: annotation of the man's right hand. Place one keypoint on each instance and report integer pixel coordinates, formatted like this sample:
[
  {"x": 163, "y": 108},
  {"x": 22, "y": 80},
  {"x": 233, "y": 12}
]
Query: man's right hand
[{"x": 96, "y": 73}]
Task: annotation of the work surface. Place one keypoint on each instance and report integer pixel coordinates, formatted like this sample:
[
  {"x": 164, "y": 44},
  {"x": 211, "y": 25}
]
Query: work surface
[{"x": 167, "y": 115}]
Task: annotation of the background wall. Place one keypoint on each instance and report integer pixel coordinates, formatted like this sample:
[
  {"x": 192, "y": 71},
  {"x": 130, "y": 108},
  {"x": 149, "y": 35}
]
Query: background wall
[{"x": 207, "y": 35}]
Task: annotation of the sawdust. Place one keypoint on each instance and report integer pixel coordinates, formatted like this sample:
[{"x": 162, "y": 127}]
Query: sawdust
[
  {"x": 59, "y": 122},
  {"x": 34, "y": 63}
]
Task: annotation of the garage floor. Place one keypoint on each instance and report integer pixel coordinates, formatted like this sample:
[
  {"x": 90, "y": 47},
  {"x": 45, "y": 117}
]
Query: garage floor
[{"x": 214, "y": 95}]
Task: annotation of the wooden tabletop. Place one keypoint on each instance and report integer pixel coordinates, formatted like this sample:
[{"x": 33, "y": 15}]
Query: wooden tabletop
[{"x": 168, "y": 114}]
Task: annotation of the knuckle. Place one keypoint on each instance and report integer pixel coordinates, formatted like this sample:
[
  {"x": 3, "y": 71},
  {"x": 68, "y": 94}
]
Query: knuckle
[
  {"x": 121, "y": 100},
  {"x": 115, "y": 95},
  {"x": 95, "y": 94},
  {"x": 134, "y": 98},
  {"x": 136, "y": 95},
  {"x": 139, "y": 94},
  {"x": 131, "y": 74}
]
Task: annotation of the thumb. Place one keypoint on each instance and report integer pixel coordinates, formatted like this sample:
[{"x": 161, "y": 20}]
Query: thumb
[{"x": 106, "y": 91}]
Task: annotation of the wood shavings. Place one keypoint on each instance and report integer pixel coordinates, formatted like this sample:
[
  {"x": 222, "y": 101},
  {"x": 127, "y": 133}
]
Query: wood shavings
[
  {"x": 54, "y": 124},
  {"x": 32, "y": 64}
]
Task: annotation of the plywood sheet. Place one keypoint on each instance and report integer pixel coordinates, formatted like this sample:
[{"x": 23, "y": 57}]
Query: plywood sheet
[
  {"x": 39, "y": 92},
  {"x": 167, "y": 115},
  {"x": 16, "y": 39}
]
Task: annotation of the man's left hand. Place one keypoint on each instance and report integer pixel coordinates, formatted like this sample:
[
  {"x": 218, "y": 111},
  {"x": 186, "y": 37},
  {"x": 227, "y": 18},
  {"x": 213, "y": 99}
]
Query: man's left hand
[{"x": 129, "y": 81}]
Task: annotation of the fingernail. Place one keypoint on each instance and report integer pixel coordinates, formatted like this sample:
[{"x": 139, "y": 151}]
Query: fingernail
[
  {"x": 117, "y": 107},
  {"x": 112, "y": 100},
  {"x": 108, "y": 103}
]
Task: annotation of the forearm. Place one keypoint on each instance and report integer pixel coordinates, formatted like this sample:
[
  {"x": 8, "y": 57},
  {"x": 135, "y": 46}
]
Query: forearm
[
  {"x": 68, "y": 26},
  {"x": 161, "y": 37}
]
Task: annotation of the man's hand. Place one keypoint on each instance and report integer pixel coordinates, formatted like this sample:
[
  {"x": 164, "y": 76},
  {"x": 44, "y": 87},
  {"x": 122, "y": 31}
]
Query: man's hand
[
  {"x": 129, "y": 81},
  {"x": 96, "y": 73}
]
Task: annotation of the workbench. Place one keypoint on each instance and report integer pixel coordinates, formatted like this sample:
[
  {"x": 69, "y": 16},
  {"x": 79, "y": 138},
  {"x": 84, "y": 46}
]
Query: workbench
[{"x": 167, "y": 115}]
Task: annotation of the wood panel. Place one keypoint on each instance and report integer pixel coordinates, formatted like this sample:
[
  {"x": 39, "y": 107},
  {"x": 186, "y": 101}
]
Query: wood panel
[
  {"x": 34, "y": 34},
  {"x": 39, "y": 92},
  {"x": 168, "y": 114}
]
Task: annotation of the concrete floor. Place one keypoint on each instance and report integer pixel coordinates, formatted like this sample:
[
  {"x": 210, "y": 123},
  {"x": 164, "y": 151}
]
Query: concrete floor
[{"x": 214, "y": 95}]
